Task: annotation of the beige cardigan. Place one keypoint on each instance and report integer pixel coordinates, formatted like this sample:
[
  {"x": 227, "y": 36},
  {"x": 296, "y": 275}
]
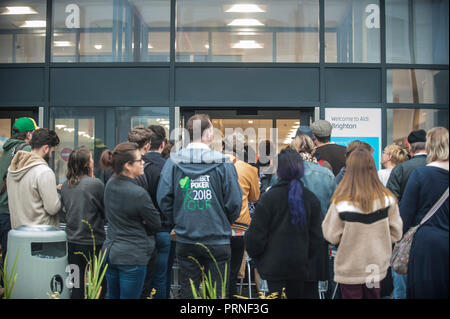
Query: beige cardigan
[{"x": 365, "y": 239}]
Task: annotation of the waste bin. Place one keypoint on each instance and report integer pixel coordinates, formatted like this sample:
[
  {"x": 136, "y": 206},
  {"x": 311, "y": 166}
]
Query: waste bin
[{"x": 41, "y": 262}]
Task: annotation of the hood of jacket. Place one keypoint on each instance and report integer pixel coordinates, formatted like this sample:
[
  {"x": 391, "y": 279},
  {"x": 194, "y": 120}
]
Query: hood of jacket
[
  {"x": 11, "y": 143},
  {"x": 188, "y": 160},
  {"x": 22, "y": 163}
]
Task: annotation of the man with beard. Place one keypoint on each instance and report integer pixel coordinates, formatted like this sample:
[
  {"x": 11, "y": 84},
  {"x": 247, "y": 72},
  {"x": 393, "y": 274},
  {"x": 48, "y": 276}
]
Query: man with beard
[{"x": 31, "y": 184}]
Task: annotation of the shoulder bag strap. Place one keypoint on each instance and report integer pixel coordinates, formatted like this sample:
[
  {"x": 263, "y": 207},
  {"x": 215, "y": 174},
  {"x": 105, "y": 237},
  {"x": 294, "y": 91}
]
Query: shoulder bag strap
[{"x": 435, "y": 207}]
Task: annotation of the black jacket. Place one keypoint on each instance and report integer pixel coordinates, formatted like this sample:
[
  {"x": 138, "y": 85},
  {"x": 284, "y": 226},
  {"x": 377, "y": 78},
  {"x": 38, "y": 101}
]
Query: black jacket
[
  {"x": 127, "y": 207},
  {"x": 152, "y": 172},
  {"x": 333, "y": 154},
  {"x": 400, "y": 174},
  {"x": 282, "y": 250}
]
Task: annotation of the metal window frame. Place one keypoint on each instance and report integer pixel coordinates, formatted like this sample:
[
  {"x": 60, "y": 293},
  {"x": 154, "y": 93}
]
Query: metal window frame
[{"x": 173, "y": 65}]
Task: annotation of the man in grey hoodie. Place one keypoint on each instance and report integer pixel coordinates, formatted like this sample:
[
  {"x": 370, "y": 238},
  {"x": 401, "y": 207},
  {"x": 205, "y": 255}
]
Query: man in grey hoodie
[
  {"x": 199, "y": 194},
  {"x": 31, "y": 183}
]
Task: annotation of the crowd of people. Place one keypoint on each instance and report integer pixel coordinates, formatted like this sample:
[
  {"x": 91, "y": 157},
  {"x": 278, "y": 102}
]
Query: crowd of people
[{"x": 208, "y": 205}]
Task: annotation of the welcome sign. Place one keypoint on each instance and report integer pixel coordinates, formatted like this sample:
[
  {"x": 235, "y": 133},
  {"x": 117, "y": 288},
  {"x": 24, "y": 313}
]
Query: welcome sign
[{"x": 356, "y": 124}]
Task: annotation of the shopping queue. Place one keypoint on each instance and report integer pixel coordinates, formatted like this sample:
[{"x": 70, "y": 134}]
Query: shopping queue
[{"x": 211, "y": 209}]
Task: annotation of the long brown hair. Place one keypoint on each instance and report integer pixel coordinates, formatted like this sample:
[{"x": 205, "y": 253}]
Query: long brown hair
[
  {"x": 360, "y": 184},
  {"x": 78, "y": 165}
]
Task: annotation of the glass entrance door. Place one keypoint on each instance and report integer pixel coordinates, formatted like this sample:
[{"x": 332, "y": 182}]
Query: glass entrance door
[{"x": 275, "y": 125}]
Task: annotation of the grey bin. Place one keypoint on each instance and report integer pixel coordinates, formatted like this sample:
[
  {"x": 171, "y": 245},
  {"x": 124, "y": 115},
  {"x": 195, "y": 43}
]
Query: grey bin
[{"x": 41, "y": 263}]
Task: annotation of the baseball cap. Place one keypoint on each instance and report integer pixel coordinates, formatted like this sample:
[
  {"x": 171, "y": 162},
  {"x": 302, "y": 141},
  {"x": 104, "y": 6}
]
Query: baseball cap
[
  {"x": 417, "y": 136},
  {"x": 24, "y": 124},
  {"x": 321, "y": 128},
  {"x": 306, "y": 130}
]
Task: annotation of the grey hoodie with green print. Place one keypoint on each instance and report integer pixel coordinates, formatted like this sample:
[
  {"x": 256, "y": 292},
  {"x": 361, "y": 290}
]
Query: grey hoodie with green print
[{"x": 199, "y": 193}]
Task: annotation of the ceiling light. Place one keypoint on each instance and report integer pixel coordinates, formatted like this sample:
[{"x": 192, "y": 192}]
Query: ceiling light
[
  {"x": 62, "y": 43},
  {"x": 247, "y": 44},
  {"x": 207, "y": 46},
  {"x": 245, "y": 22},
  {"x": 250, "y": 122},
  {"x": 245, "y": 8},
  {"x": 60, "y": 126},
  {"x": 246, "y": 33},
  {"x": 98, "y": 46},
  {"x": 150, "y": 46},
  {"x": 34, "y": 24},
  {"x": 20, "y": 10}
]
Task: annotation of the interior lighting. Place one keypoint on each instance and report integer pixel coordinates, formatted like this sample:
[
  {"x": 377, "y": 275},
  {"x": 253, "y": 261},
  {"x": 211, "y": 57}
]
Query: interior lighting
[
  {"x": 98, "y": 46},
  {"x": 34, "y": 24},
  {"x": 246, "y": 22},
  {"x": 247, "y": 44},
  {"x": 20, "y": 10},
  {"x": 62, "y": 43},
  {"x": 245, "y": 8}
]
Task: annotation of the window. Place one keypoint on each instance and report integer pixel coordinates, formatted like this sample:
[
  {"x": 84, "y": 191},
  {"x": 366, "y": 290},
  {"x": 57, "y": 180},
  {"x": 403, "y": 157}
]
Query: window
[
  {"x": 111, "y": 31},
  {"x": 22, "y": 31},
  {"x": 417, "y": 31},
  {"x": 417, "y": 86},
  {"x": 352, "y": 31},
  {"x": 268, "y": 31},
  {"x": 408, "y": 120}
]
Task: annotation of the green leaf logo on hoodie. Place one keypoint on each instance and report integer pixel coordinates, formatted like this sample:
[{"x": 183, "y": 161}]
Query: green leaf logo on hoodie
[{"x": 184, "y": 182}]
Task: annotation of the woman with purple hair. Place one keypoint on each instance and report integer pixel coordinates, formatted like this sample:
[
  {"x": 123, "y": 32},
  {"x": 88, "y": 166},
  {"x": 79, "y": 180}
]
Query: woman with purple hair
[{"x": 286, "y": 229}]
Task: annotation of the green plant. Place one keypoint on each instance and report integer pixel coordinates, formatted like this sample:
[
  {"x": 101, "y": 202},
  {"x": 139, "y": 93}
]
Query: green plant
[
  {"x": 9, "y": 281},
  {"x": 273, "y": 295},
  {"x": 208, "y": 288},
  {"x": 93, "y": 275}
]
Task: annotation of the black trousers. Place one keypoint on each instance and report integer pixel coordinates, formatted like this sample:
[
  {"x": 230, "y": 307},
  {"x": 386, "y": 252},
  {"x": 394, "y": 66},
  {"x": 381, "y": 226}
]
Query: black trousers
[
  {"x": 5, "y": 227},
  {"x": 81, "y": 262},
  {"x": 294, "y": 289},
  {"x": 237, "y": 252},
  {"x": 190, "y": 269}
]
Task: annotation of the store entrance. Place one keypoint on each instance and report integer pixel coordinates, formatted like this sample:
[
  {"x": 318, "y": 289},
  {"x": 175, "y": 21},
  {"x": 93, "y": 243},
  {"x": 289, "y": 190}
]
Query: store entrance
[
  {"x": 9, "y": 116},
  {"x": 278, "y": 125}
]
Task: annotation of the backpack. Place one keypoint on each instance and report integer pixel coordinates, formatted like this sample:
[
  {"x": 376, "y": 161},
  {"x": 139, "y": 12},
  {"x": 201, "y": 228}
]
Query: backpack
[{"x": 18, "y": 148}]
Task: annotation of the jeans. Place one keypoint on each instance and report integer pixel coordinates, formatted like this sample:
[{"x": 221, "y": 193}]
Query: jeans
[
  {"x": 170, "y": 262},
  {"x": 399, "y": 285},
  {"x": 159, "y": 276},
  {"x": 190, "y": 269},
  {"x": 124, "y": 281}
]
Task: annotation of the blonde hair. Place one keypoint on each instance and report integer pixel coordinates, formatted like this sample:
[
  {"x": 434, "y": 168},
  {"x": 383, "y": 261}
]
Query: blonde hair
[
  {"x": 397, "y": 153},
  {"x": 437, "y": 144},
  {"x": 303, "y": 143}
]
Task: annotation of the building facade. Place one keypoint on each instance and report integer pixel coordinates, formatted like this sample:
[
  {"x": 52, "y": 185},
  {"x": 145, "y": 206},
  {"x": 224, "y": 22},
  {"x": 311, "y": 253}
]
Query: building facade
[{"x": 92, "y": 69}]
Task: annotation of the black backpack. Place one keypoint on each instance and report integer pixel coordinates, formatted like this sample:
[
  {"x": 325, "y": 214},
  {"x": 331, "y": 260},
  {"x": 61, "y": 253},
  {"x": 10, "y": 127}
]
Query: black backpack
[{"x": 18, "y": 148}]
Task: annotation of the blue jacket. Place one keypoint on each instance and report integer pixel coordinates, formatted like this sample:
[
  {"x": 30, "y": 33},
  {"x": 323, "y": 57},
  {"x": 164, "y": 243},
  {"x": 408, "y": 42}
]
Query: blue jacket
[
  {"x": 321, "y": 182},
  {"x": 199, "y": 194}
]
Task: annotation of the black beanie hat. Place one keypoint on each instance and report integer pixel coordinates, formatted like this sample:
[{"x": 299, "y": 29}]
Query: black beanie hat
[{"x": 417, "y": 136}]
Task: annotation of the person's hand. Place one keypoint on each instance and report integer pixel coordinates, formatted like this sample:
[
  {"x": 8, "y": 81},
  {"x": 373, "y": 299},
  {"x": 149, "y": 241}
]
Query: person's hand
[{"x": 58, "y": 187}]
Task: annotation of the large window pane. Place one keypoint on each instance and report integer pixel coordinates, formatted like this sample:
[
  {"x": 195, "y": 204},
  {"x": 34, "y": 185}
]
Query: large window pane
[
  {"x": 400, "y": 122},
  {"x": 352, "y": 31},
  {"x": 130, "y": 117},
  {"x": 417, "y": 86},
  {"x": 268, "y": 31},
  {"x": 22, "y": 31},
  {"x": 417, "y": 31},
  {"x": 111, "y": 31}
]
